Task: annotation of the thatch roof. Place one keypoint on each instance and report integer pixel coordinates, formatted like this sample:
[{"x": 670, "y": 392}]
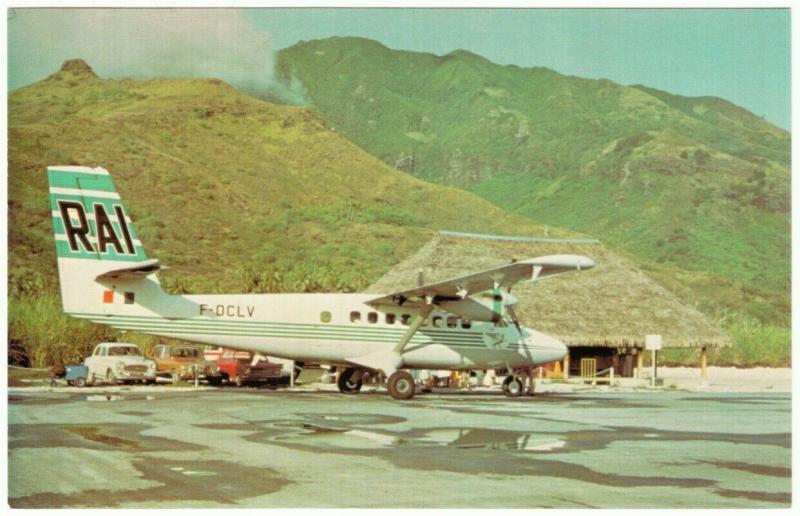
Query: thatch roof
[{"x": 614, "y": 304}]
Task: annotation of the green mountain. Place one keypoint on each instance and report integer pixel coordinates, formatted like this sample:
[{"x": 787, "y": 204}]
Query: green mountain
[
  {"x": 697, "y": 188},
  {"x": 230, "y": 192},
  {"x": 218, "y": 181}
]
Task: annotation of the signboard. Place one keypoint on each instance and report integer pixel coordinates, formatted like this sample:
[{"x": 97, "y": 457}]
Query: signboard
[{"x": 652, "y": 342}]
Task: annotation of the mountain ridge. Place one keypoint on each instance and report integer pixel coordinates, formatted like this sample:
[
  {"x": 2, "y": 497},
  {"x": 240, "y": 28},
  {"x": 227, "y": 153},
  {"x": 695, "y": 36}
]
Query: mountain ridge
[{"x": 681, "y": 182}]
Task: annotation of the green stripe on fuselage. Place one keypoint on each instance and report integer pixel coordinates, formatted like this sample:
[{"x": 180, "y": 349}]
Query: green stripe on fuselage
[{"x": 284, "y": 330}]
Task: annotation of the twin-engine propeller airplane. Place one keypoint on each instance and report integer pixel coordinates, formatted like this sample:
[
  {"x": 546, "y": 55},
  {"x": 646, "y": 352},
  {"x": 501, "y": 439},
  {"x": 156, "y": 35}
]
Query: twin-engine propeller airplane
[{"x": 107, "y": 278}]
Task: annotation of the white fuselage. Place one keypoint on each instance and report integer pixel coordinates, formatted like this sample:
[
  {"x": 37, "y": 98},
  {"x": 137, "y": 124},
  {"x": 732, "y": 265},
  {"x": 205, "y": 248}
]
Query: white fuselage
[{"x": 327, "y": 328}]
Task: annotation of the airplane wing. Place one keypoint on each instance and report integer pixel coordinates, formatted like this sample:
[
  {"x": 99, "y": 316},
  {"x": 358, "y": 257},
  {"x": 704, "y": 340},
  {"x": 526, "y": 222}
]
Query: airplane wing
[{"x": 452, "y": 294}]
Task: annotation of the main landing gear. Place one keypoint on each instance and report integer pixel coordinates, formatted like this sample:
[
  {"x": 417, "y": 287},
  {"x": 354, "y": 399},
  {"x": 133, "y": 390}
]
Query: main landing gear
[
  {"x": 401, "y": 385},
  {"x": 350, "y": 381}
]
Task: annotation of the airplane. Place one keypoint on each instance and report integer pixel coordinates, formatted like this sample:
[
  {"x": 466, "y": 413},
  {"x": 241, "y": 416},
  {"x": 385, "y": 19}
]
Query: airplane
[{"x": 107, "y": 278}]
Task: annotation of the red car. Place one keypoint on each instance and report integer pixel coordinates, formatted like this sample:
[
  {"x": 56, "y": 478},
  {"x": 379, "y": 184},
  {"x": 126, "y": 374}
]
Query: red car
[{"x": 243, "y": 367}]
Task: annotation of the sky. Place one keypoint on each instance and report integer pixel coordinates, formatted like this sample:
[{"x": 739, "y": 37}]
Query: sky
[{"x": 742, "y": 55}]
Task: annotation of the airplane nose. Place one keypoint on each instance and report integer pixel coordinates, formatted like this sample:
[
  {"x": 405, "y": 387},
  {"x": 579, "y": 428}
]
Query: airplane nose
[
  {"x": 546, "y": 348},
  {"x": 558, "y": 349}
]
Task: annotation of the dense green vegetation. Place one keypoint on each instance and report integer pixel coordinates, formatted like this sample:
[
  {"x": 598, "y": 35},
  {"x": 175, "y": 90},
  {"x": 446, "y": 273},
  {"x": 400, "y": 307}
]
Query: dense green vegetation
[
  {"x": 697, "y": 189},
  {"x": 230, "y": 192}
]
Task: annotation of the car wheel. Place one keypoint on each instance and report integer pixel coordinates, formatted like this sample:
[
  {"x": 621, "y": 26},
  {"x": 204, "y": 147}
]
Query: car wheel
[
  {"x": 176, "y": 377},
  {"x": 216, "y": 381},
  {"x": 237, "y": 380},
  {"x": 79, "y": 382},
  {"x": 110, "y": 377}
]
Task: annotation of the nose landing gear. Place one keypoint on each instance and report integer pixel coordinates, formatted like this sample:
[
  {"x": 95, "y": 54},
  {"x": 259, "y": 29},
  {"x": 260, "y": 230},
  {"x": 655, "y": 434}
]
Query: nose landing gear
[{"x": 515, "y": 386}]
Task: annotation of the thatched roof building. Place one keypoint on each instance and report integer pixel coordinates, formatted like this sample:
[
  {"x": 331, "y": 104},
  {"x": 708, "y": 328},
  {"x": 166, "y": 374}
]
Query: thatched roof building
[{"x": 613, "y": 305}]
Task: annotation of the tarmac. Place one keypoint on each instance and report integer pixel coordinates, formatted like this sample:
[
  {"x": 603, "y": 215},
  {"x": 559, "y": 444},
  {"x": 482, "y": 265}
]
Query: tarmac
[{"x": 163, "y": 447}]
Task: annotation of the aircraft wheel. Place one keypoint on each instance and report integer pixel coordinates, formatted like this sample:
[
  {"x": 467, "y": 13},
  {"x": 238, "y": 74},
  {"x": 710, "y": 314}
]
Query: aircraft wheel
[
  {"x": 512, "y": 386},
  {"x": 344, "y": 383},
  {"x": 401, "y": 385}
]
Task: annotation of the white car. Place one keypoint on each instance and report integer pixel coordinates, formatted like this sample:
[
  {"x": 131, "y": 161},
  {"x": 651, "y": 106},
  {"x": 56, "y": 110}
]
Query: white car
[{"x": 115, "y": 362}]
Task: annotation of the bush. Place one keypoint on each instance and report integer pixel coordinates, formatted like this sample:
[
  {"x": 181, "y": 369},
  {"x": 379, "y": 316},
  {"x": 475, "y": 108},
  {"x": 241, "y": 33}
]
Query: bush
[{"x": 44, "y": 335}]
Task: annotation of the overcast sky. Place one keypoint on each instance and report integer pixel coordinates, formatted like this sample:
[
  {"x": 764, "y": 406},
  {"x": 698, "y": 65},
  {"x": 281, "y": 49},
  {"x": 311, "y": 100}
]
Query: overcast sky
[{"x": 742, "y": 55}]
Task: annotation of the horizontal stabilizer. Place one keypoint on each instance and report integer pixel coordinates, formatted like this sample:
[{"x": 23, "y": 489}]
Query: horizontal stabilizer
[{"x": 133, "y": 272}]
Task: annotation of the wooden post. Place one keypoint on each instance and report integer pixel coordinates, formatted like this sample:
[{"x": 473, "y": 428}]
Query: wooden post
[
  {"x": 566, "y": 365},
  {"x": 704, "y": 365},
  {"x": 639, "y": 362}
]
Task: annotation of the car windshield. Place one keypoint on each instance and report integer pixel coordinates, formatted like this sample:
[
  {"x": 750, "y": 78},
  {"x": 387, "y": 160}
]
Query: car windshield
[
  {"x": 124, "y": 350},
  {"x": 184, "y": 352}
]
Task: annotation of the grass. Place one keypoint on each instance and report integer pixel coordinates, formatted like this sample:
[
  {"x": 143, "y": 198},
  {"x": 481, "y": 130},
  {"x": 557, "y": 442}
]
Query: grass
[
  {"x": 755, "y": 344},
  {"x": 22, "y": 377}
]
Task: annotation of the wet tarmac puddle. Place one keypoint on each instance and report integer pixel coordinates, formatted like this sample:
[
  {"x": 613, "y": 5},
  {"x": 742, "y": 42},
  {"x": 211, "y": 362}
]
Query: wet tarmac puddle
[
  {"x": 502, "y": 452},
  {"x": 181, "y": 481},
  {"x": 111, "y": 436}
]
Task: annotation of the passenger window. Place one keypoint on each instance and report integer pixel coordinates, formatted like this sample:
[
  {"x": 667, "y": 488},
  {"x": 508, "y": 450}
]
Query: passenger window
[
  {"x": 437, "y": 322},
  {"x": 355, "y": 316},
  {"x": 405, "y": 319},
  {"x": 466, "y": 324},
  {"x": 102, "y": 352},
  {"x": 390, "y": 318},
  {"x": 372, "y": 317},
  {"x": 452, "y": 322},
  {"x": 325, "y": 317}
]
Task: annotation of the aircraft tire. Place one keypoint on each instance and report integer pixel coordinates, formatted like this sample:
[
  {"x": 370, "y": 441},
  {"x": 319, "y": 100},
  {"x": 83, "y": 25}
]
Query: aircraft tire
[
  {"x": 344, "y": 383},
  {"x": 401, "y": 385},
  {"x": 513, "y": 386}
]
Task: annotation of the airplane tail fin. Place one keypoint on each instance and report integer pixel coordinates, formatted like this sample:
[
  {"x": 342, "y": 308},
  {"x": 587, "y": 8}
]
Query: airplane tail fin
[{"x": 101, "y": 262}]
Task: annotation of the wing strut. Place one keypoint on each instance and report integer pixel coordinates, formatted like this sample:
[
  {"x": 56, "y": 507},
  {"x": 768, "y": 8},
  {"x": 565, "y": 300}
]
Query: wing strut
[{"x": 416, "y": 322}]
